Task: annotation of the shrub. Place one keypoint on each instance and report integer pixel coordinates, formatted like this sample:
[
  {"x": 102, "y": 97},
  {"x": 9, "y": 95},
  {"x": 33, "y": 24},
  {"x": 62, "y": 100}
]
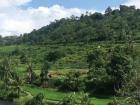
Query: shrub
[
  {"x": 72, "y": 82},
  {"x": 54, "y": 56},
  {"x": 126, "y": 101},
  {"x": 76, "y": 99},
  {"x": 37, "y": 100}
]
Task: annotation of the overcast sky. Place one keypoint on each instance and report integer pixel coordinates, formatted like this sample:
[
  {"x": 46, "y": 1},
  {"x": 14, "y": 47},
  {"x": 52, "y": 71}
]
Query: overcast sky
[{"x": 22, "y": 16}]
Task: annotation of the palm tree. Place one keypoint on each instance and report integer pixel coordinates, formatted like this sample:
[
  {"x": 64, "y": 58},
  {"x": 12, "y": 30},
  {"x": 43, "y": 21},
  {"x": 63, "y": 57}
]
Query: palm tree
[
  {"x": 10, "y": 78},
  {"x": 5, "y": 70},
  {"x": 44, "y": 74},
  {"x": 17, "y": 86},
  {"x": 30, "y": 73}
]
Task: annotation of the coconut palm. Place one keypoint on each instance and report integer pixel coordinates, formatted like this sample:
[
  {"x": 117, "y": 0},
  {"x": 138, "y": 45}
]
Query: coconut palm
[
  {"x": 30, "y": 73},
  {"x": 44, "y": 74},
  {"x": 16, "y": 85},
  {"x": 5, "y": 70}
]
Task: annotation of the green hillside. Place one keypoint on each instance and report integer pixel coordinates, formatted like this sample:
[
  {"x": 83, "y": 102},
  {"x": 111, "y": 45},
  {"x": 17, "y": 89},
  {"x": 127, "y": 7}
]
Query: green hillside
[
  {"x": 115, "y": 25},
  {"x": 93, "y": 59}
]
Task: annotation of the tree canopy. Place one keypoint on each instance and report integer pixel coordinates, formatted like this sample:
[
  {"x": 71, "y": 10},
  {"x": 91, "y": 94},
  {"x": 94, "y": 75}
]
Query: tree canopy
[{"x": 115, "y": 25}]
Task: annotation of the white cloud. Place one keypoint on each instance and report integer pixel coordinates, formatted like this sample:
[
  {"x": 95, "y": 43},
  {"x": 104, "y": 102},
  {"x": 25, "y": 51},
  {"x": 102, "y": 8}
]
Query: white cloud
[
  {"x": 133, "y": 2},
  {"x": 15, "y": 20}
]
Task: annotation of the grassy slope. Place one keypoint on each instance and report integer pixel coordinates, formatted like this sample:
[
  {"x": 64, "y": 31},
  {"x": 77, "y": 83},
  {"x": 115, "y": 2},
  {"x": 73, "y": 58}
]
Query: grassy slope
[{"x": 55, "y": 95}]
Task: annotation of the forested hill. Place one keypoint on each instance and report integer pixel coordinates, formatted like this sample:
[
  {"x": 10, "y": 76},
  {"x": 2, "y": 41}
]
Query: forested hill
[{"x": 115, "y": 25}]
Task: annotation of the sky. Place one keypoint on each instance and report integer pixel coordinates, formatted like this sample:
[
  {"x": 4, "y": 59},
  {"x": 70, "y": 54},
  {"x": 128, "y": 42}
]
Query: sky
[{"x": 22, "y": 16}]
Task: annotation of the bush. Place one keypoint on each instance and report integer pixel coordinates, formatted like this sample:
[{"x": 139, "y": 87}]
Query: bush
[
  {"x": 126, "y": 101},
  {"x": 76, "y": 99},
  {"x": 23, "y": 58},
  {"x": 37, "y": 100},
  {"x": 54, "y": 56},
  {"x": 72, "y": 82},
  {"x": 12, "y": 95}
]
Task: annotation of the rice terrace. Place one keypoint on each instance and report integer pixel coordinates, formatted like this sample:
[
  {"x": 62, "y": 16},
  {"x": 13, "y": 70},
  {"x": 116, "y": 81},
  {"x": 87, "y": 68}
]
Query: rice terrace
[{"x": 67, "y": 53}]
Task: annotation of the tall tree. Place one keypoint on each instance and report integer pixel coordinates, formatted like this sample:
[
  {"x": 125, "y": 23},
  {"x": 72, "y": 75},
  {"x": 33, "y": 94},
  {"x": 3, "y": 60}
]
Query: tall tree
[
  {"x": 30, "y": 73},
  {"x": 120, "y": 66},
  {"x": 5, "y": 69},
  {"x": 108, "y": 11},
  {"x": 16, "y": 84},
  {"x": 44, "y": 74}
]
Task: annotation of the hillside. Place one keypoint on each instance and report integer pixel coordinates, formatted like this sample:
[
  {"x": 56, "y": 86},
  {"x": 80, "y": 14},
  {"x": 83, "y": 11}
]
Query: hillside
[
  {"x": 115, "y": 25},
  {"x": 93, "y": 59}
]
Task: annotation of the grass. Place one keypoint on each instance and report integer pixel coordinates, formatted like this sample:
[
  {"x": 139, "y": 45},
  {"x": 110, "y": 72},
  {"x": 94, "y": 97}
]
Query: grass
[
  {"x": 50, "y": 94},
  {"x": 54, "y": 95},
  {"x": 99, "y": 101}
]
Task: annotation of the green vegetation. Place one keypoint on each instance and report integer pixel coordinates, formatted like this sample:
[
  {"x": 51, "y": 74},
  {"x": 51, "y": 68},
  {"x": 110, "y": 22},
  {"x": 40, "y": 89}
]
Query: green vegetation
[
  {"x": 87, "y": 60},
  {"x": 115, "y": 25}
]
